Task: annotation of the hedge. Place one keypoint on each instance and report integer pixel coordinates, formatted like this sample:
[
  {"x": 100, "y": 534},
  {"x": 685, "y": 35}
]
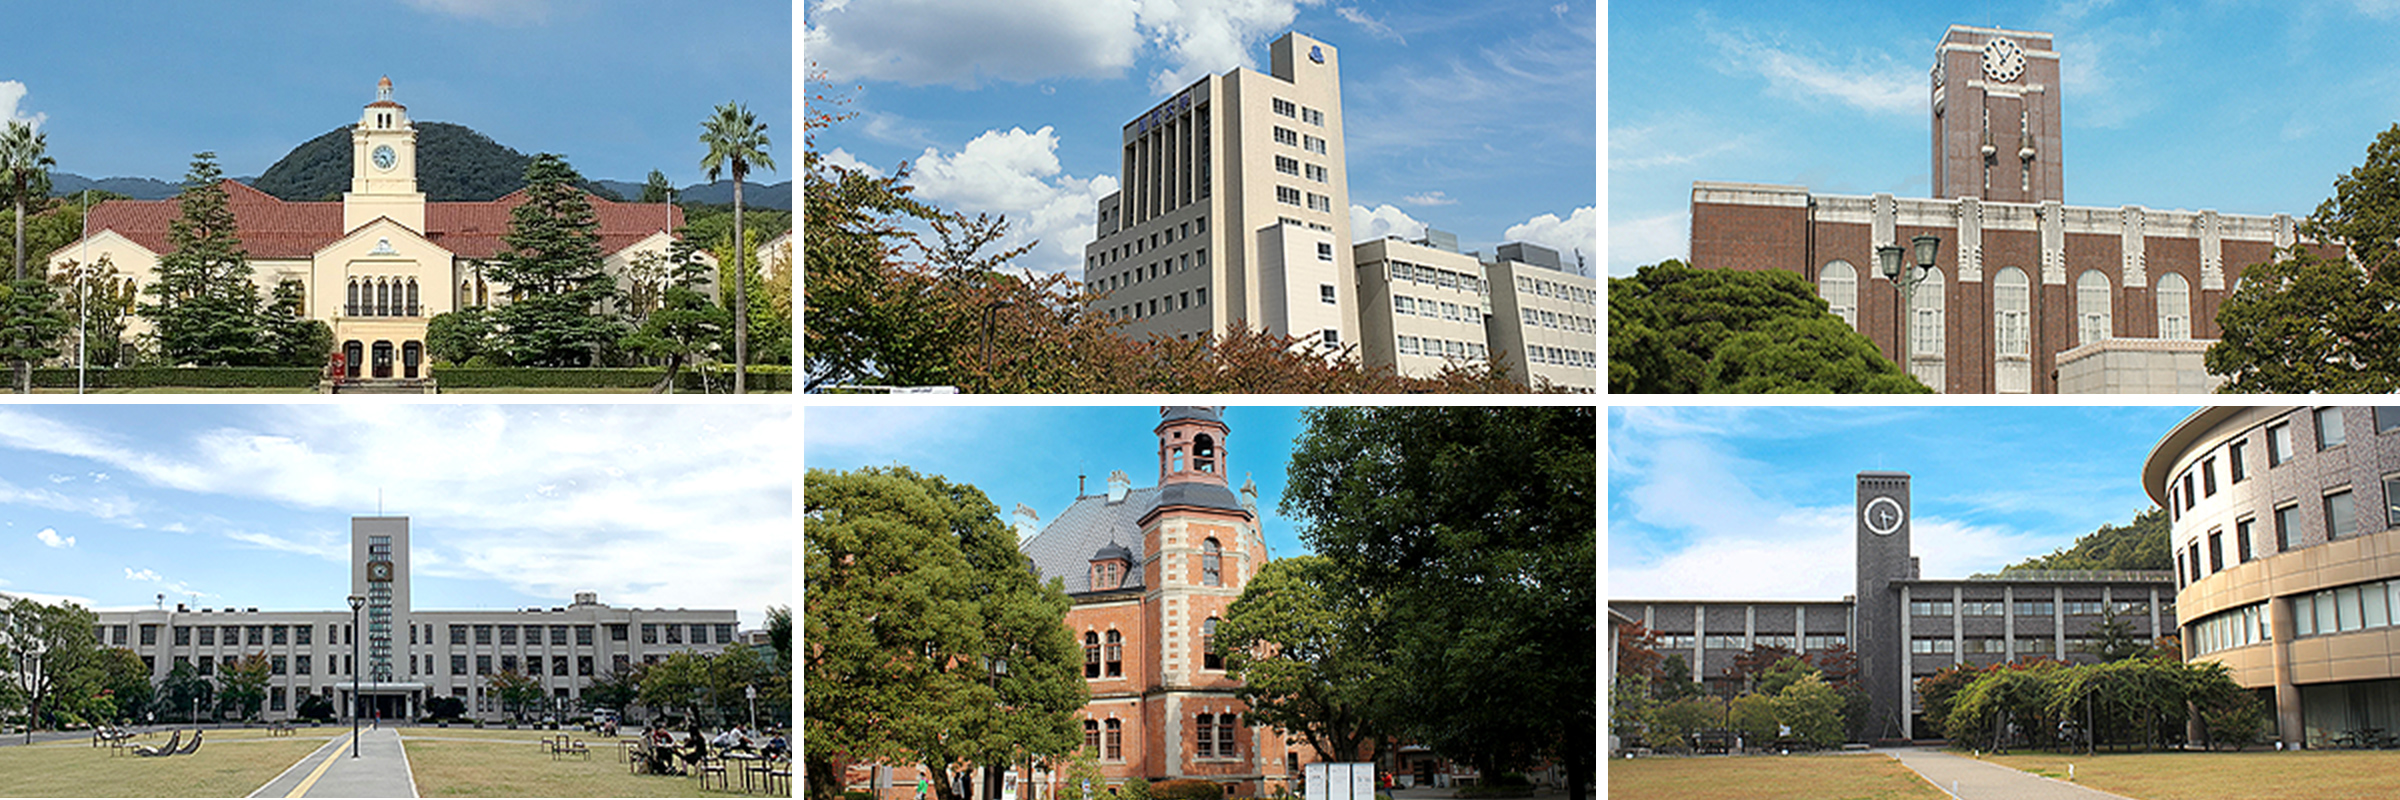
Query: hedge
[
  {"x": 185, "y": 377},
  {"x": 1187, "y": 789}
]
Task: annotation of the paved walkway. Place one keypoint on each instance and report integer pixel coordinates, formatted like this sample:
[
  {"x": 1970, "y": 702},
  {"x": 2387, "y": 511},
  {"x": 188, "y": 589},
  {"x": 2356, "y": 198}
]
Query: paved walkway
[
  {"x": 1969, "y": 779},
  {"x": 380, "y": 770}
]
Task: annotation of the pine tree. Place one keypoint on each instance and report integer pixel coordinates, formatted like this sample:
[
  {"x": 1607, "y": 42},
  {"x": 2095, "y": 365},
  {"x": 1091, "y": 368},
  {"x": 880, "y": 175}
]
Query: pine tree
[
  {"x": 686, "y": 325},
  {"x": 207, "y": 309},
  {"x": 552, "y": 266},
  {"x": 31, "y": 322}
]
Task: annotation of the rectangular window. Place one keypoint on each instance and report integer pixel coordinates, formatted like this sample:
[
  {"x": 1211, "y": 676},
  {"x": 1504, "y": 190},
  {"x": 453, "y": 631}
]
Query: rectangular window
[
  {"x": 458, "y": 634},
  {"x": 1931, "y": 646},
  {"x": 583, "y": 665},
  {"x": 2387, "y": 419},
  {"x": 257, "y": 634},
  {"x": 279, "y": 634},
  {"x": 1324, "y": 251},
  {"x": 674, "y": 634},
  {"x": 1318, "y": 202},
  {"x": 2339, "y": 521},
  {"x": 508, "y": 663},
  {"x": 583, "y": 635},
  {"x": 1285, "y": 108},
  {"x": 2329, "y": 428},
  {"x": 1333, "y": 337},
  {"x": 458, "y": 664},
  {"x": 616, "y": 632},
  {"x": 725, "y": 633},
  {"x": 483, "y": 665},
  {"x": 2216, "y": 551},
  {"x": 2188, "y": 499},
  {"x": 208, "y": 635},
  {"x": 1286, "y": 136},
  {"x": 1115, "y": 748},
  {"x": 2279, "y": 445},
  {"x": 1980, "y": 608},
  {"x": 1318, "y": 173},
  {"x": 1924, "y": 608},
  {"x": 1325, "y": 292},
  {"x": 649, "y": 633},
  {"x": 2287, "y": 520},
  {"x": 1313, "y": 144},
  {"x": 2208, "y": 477},
  {"x": 2234, "y": 463},
  {"x": 150, "y": 635},
  {"x": 275, "y": 665},
  {"x": 304, "y": 633},
  {"x": 1287, "y": 165},
  {"x": 183, "y": 636},
  {"x": 483, "y": 634},
  {"x": 1312, "y": 116},
  {"x": 2241, "y": 539},
  {"x": 2195, "y": 562},
  {"x": 2034, "y": 609},
  {"x": 508, "y": 635}
]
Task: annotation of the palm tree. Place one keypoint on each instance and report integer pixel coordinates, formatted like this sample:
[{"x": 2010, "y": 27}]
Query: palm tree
[
  {"x": 25, "y": 170},
  {"x": 735, "y": 136}
]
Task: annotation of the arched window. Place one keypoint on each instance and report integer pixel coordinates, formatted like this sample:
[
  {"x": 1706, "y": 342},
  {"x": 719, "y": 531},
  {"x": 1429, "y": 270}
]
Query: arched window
[
  {"x": 1211, "y": 563},
  {"x": 2012, "y": 330},
  {"x": 1091, "y": 654},
  {"x": 412, "y": 298},
  {"x": 2174, "y": 307},
  {"x": 466, "y": 293},
  {"x": 2091, "y": 307},
  {"x": 1838, "y": 284},
  {"x": 351, "y": 309},
  {"x": 1116, "y": 655},
  {"x": 1208, "y": 645},
  {"x": 1204, "y": 453},
  {"x": 383, "y": 297},
  {"x": 1927, "y": 306},
  {"x": 1114, "y": 750}
]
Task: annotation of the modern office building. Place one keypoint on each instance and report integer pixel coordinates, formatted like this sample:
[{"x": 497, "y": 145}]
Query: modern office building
[
  {"x": 1545, "y": 320},
  {"x": 1235, "y": 208},
  {"x": 379, "y": 263},
  {"x": 1421, "y": 307},
  {"x": 404, "y": 656},
  {"x": 2285, "y": 571},
  {"x": 1901, "y": 626},
  {"x": 2029, "y": 294}
]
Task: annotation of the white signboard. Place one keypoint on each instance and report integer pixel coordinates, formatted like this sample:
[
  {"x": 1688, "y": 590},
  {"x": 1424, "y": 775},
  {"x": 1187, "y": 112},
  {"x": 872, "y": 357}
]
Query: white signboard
[{"x": 1339, "y": 781}]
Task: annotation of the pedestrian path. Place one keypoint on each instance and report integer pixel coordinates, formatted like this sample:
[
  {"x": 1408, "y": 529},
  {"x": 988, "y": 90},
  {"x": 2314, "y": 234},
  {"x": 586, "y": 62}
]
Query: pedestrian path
[
  {"x": 379, "y": 770},
  {"x": 1969, "y": 779}
]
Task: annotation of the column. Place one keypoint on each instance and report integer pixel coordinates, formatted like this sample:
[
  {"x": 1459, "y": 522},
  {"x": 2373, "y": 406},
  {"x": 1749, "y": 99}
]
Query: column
[{"x": 1908, "y": 670}]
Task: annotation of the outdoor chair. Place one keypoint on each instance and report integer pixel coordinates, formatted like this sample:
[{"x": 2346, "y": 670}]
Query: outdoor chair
[
  {"x": 712, "y": 767},
  {"x": 192, "y": 747},
  {"x": 779, "y": 771},
  {"x": 168, "y": 749}
]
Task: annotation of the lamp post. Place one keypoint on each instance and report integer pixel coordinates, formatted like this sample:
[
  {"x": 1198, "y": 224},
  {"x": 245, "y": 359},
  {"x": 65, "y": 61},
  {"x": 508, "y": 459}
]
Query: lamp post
[
  {"x": 33, "y": 652},
  {"x": 987, "y": 342},
  {"x": 1891, "y": 258},
  {"x": 356, "y": 603}
]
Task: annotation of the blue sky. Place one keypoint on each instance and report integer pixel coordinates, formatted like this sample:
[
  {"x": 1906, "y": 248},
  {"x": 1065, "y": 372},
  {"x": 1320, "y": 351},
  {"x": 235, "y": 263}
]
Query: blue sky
[
  {"x": 1478, "y": 119},
  {"x": 650, "y": 505},
  {"x": 2241, "y": 107},
  {"x": 1031, "y": 454},
  {"x": 619, "y": 87},
  {"x": 1756, "y": 502}
]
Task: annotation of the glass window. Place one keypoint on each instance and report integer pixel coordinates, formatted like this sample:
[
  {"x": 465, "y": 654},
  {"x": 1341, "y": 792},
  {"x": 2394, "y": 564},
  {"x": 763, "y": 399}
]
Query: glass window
[
  {"x": 2233, "y": 460},
  {"x": 2287, "y": 520},
  {"x": 2279, "y": 445},
  {"x": 2241, "y": 539},
  {"x": 2326, "y": 615},
  {"x": 2338, "y": 521},
  {"x": 2174, "y": 307},
  {"x": 1926, "y": 339},
  {"x": 2387, "y": 419},
  {"x": 1116, "y": 654},
  {"x": 2304, "y": 615},
  {"x": 2375, "y": 614},
  {"x": 2188, "y": 499},
  {"x": 2329, "y": 428},
  {"x": 2216, "y": 551},
  {"x": 2345, "y": 608},
  {"x": 2091, "y": 307},
  {"x": 2208, "y": 477}
]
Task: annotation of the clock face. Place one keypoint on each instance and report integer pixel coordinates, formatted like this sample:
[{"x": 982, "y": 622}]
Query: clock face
[
  {"x": 1882, "y": 516},
  {"x": 384, "y": 157},
  {"x": 2003, "y": 60},
  {"x": 379, "y": 571}
]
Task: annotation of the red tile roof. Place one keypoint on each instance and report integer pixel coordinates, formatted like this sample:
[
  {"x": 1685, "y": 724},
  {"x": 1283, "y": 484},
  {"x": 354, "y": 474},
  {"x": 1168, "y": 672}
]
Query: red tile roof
[{"x": 272, "y": 228}]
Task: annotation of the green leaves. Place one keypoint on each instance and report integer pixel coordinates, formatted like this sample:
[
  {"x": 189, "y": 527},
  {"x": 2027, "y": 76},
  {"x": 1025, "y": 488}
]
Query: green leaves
[
  {"x": 552, "y": 266},
  {"x": 2308, "y": 324},
  {"x": 206, "y": 310},
  {"x": 1673, "y": 328}
]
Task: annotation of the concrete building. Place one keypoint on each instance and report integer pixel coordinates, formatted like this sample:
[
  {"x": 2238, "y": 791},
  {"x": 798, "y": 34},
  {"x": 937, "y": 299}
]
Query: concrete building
[
  {"x": 1901, "y": 626},
  {"x": 1421, "y": 308},
  {"x": 2029, "y": 294},
  {"x": 378, "y": 264},
  {"x": 1545, "y": 320},
  {"x": 2285, "y": 569},
  {"x": 1235, "y": 208},
  {"x": 411, "y": 656}
]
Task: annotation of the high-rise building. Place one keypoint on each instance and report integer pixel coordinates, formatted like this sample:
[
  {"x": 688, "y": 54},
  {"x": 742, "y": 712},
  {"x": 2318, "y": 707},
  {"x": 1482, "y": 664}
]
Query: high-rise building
[{"x": 1235, "y": 209}]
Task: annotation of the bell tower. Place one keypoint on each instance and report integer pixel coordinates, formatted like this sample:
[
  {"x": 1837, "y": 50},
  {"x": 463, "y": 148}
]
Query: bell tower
[
  {"x": 1191, "y": 445},
  {"x": 383, "y": 166}
]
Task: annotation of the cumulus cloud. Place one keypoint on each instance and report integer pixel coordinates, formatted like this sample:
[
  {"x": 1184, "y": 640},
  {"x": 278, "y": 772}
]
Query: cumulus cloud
[
  {"x": 511, "y": 12},
  {"x": 12, "y": 99},
  {"x": 1016, "y": 173},
  {"x": 1640, "y": 242},
  {"x": 1367, "y": 225},
  {"x": 1575, "y": 234},
  {"x": 967, "y": 42},
  {"x": 1879, "y": 84},
  {"x": 50, "y": 537},
  {"x": 842, "y": 158}
]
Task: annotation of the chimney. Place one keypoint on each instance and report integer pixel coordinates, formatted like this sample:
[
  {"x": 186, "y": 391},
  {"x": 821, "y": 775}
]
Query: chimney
[
  {"x": 1118, "y": 486},
  {"x": 1028, "y": 523}
]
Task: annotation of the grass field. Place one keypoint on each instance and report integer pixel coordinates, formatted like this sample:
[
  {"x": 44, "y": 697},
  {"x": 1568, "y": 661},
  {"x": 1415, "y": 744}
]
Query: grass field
[
  {"x": 2225, "y": 776},
  {"x": 1815, "y": 777},
  {"x": 230, "y": 763},
  {"x": 505, "y": 763}
]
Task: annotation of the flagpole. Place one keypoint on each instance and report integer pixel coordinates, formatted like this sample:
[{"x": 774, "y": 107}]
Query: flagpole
[{"x": 82, "y": 300}]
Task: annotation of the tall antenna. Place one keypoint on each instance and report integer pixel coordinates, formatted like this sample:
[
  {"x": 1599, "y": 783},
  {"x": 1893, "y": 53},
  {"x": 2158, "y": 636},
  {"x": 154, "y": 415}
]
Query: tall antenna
[{"x": 378, "y": 501}]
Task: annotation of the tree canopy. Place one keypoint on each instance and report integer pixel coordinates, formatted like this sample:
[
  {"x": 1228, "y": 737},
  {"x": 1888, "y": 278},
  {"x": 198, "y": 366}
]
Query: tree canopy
[
  {"x": 206, "y": 308},
  {"x": 1310, "y": 650},
  {"x": 1673, "y": 328},
  {"x": 454, "y": 163},
  {"x": 2138, "y": 544},
  {"x": 2319, "y": 317},
  {"x": 552, "y": 265}
]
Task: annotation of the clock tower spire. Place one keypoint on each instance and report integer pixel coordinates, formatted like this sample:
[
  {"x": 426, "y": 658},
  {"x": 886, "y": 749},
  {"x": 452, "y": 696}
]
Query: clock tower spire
[{"x": 383, "y": 166}]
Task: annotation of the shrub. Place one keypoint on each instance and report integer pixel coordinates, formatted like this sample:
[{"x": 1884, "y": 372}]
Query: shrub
[
  {"x": 1187, "y": 789},
  {"x": 857, "y": 794},
  {"x": 181, "y": 377},
  {"x": 446, "y": 707},
  {"x": 1137, "y": 789}
]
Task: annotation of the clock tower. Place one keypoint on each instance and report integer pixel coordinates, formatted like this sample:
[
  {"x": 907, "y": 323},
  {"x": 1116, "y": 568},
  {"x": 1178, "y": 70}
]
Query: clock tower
[
  {"x": 1995, "y": 116},
  {"x": 1882, "y": 519},
  {"x": 379, "y": 573},
  {"x": 383, "y": 166}
]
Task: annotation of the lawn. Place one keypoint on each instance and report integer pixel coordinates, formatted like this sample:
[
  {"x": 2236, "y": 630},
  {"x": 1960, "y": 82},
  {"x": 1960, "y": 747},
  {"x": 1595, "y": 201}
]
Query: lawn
[
  {"x": 2223, "y": 776},
  {"x": 230, "y": 763},
  {"x": 1814, "y": 777},
  {"x": 511, "y": 765}
]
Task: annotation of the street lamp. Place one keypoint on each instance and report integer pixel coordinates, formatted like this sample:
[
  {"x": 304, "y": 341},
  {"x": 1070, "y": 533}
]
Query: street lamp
[
  {"x": 1891, "y": 258},
  {"x": 34, "y": 651},
  {"x": 356, "y": 603}
]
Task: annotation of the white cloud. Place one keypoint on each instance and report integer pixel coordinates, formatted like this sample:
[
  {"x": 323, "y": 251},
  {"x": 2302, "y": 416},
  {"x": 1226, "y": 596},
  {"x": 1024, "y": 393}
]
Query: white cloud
[
  {"x": 511, "y": 12},
  {"x": 171, "y": 587},
  {"x": 12, "y": 99},
  {"x": 1571, "y": 236},
  {"x": 842, "y": 158},
  {"x": 1205, "y": 36},
  {"x": 1016, "y": 173},
  {"x": 1641, "y": 242},
  {"x": 1878, "y": 84},
  {"x": 1368, "y": 225},
  {"x": 965, "y": 42},
  {"x": 1432, "y": 198},
  {"x": 144, "y": 575},
  {"x": 1373, "y": 26},
  {"x": 50, "y": 538}
]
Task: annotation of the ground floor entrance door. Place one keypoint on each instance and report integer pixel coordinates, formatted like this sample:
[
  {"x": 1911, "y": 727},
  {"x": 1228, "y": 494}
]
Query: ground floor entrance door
[{"x": 383, "y": 359}]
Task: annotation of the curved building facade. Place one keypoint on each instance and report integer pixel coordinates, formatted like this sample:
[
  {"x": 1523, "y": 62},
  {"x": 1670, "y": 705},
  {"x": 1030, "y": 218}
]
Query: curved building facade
[{"x": 2286, "y": 534}]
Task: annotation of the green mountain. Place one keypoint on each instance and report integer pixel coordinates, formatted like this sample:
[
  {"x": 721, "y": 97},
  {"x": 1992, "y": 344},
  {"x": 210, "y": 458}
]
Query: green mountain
[
  {"x": 454, "y": 163},
  {"x": 2140, "y": 544}
]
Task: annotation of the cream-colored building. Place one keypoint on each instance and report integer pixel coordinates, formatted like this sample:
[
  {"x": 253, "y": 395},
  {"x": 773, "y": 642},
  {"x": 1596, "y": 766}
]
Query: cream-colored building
[
  {"x": 1235, "y": 209},
  {"x": 377, "y": 264},
  {"x": 400, "y": 657},
  {"x": 1421, "y": 308},
  {"x": 1545, "y": 319}
]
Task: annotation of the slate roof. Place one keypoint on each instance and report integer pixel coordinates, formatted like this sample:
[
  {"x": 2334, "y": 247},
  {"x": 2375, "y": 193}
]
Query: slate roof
[
  {"x": 1065, "y": 548},
  {"x": 1174, "y": 413},
  {"x": 274, "y": 228}
]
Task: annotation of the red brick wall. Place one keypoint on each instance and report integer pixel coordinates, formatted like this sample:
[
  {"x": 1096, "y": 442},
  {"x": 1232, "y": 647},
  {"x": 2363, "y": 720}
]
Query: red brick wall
[{"x": 1750, "y": 237}]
